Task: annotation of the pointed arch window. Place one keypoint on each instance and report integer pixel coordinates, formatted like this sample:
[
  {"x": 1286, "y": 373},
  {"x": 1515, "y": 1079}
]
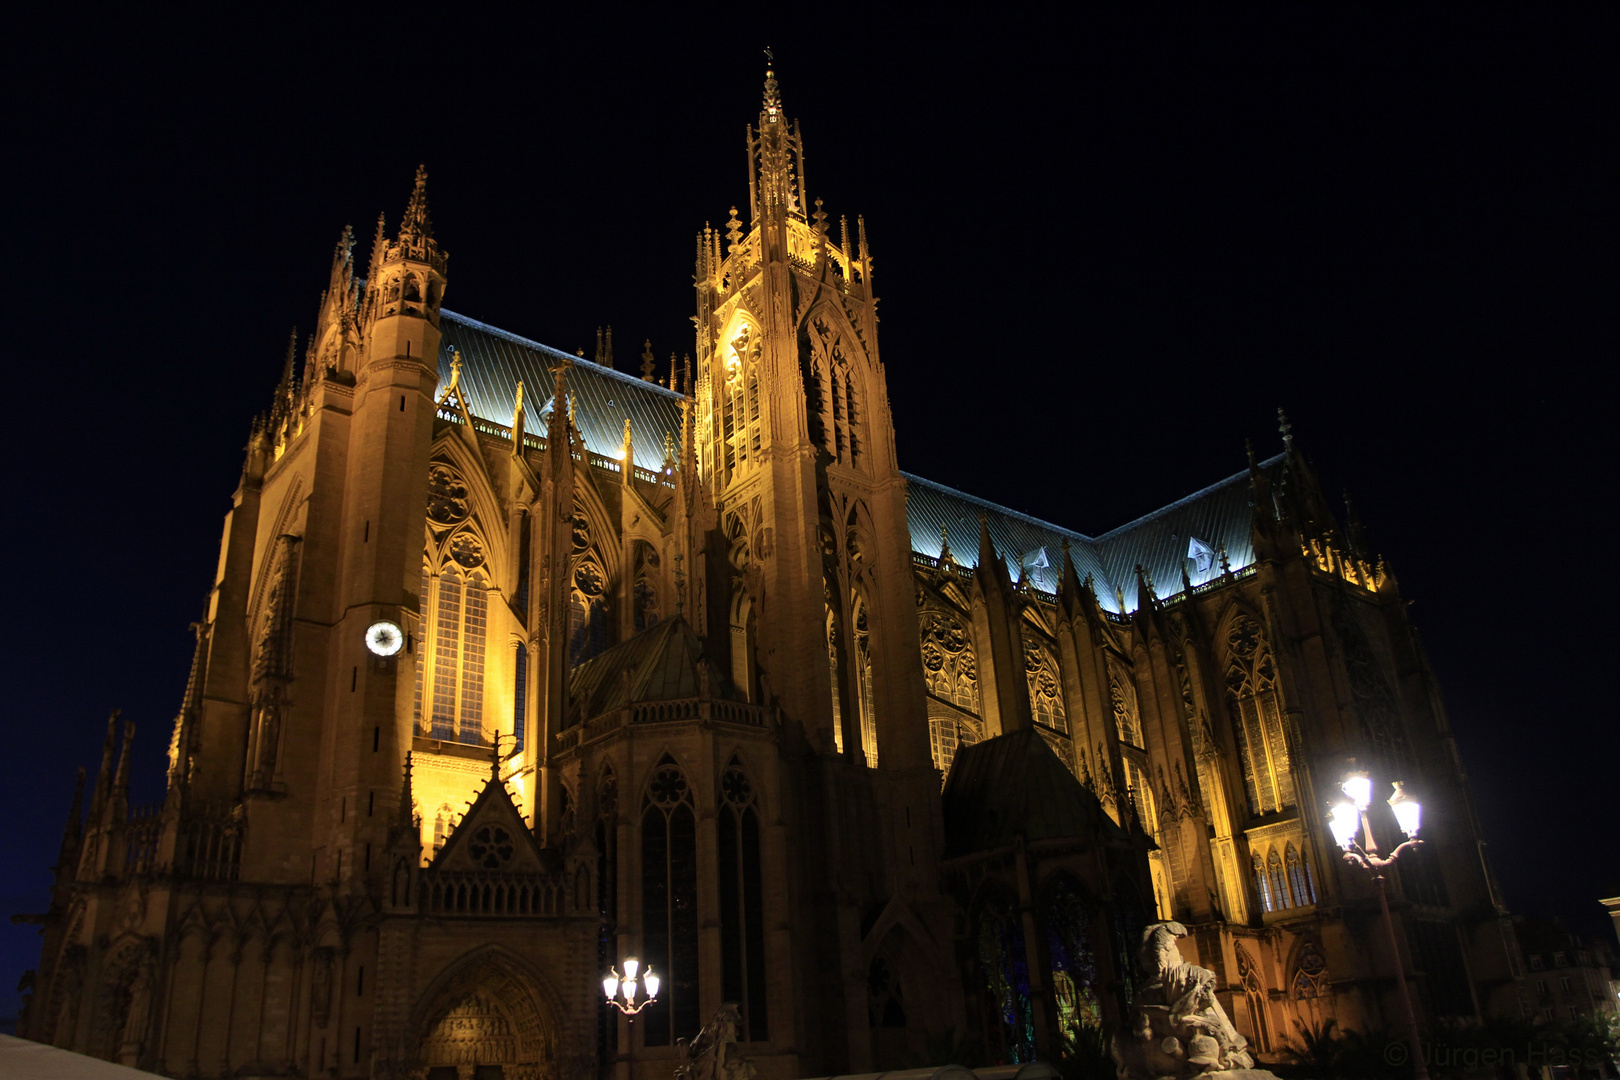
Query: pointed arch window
[
  {"x": 1045, "y": 689},
  {"x": 669, "y": 925},
  {"x": 739, "y": 398},
  {"x": 1300, "y": 880},
  {"x": 863, "y": 657},
  {"x": 587, "y": 613},
  {"x": 1004, "y": 970},
  {"x": 949, "y": 666},
  {"x": 742, "y": 902},
  {"x": 1279, "y": 887},
  {"x": 452, "y": 686},
  {"x": 1257, "y": 723},
  {"x": 836, "y": 411},
  {"x": 1066, "y": 919},
  {"x": 1262, "y": 884}
]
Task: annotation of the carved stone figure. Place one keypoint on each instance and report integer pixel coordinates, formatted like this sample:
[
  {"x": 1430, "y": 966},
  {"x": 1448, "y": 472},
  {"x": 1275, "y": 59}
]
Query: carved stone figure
[
  {"x": 712, "y": 1054},
  {"x": 1179, "y": 1028}
]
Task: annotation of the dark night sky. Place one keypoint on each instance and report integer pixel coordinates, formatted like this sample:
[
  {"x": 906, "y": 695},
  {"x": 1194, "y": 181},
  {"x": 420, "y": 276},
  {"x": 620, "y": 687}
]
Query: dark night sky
[{"x": 1108, "y": 249}]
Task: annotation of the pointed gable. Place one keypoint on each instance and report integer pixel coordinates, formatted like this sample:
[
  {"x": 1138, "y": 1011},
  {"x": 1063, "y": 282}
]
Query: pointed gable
[{"x": 492, "y": 837}]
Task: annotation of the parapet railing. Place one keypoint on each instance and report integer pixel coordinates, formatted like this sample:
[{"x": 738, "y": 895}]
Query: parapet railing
[
  {"x": 477, "y": 892},
  {"x": 659, "y": 712}
]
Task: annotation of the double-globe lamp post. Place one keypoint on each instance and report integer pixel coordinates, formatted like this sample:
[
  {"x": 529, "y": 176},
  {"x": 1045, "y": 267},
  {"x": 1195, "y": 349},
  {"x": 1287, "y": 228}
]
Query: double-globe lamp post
[
  {"x": 1348, "y": 817},
  {"x": 620, "y": 990}
]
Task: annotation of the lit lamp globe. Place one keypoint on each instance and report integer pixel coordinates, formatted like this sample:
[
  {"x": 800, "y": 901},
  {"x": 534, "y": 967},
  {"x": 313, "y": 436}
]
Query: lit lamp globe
[
  {"x": 1358, "y": 788},
  {"x": 1343, "y": 820},
  {"x": 651, "y": 983},
  {"x": 610, "y": 986},
  {"x": 1408, "y": 811}
]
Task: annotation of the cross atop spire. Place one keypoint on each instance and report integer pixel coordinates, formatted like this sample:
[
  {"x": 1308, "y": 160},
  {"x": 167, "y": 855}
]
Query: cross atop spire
[{"x": 773, "y": 97}]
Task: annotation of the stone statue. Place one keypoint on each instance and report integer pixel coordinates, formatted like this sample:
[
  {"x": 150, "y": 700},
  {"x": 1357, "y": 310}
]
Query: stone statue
[
  {"x": 712, "y": 1054},
  {"x": 1179, "y": 1028}
]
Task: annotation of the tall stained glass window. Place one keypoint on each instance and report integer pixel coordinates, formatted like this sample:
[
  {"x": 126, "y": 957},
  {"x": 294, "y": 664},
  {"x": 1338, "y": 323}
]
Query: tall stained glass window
[
  {"x": 1004, "y": 969},
  {"x": 669, "y": 925},
  {"x": 1257, "y": 722}
]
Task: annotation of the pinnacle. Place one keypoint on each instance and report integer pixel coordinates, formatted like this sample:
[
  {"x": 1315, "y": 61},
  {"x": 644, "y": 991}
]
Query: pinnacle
[{"x": 417, "y": 223}]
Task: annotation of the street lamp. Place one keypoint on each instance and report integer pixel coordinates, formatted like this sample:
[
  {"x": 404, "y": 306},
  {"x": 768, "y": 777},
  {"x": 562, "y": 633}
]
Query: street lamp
[
  {"x": 620, "y": 991},
  {"x": 1347, "y": 815}
]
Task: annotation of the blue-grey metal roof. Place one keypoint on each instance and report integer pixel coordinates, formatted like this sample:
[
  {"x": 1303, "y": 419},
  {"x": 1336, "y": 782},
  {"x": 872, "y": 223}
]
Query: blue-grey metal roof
[
  {"x": 1189, "y": 532},
  {"x": 492, "y": 362}
]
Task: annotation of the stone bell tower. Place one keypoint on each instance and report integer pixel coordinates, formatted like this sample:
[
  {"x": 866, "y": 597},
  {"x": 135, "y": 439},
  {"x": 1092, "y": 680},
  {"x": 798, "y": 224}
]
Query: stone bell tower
[{"x": 795, "y": 446}]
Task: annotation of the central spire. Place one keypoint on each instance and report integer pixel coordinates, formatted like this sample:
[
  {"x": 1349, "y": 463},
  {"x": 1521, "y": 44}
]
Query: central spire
[{"x": 777, "y": 154}]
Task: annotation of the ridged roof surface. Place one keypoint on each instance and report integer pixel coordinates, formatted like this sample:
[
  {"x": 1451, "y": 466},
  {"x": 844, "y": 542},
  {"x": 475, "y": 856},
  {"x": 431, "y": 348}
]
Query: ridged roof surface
[
  {"x": 662, "y": 662},
  {"x": 1189, "y": 533},
  {"x": 1013, "y": 785},
  {"x": 492, "y": 362}
]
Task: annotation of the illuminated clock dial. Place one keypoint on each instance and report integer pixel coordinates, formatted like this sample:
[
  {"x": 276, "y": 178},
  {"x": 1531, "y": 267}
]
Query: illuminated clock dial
[{"x": 384, "y": 638}]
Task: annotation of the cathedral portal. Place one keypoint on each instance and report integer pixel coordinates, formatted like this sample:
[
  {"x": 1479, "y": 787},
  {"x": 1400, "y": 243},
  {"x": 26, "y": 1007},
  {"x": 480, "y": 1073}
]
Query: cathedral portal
[{"x": 486, "y": 1019}]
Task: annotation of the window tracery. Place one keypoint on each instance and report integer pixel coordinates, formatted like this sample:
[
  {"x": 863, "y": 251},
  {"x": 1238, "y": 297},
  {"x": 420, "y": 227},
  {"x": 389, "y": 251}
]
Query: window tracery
[
  {"x": 1301, "y": 882},
  {"x": 669, "y": 928},
  {"x": 1310, "y": 974},
  {"x": 836, "y": 412},
  {"x": 1257, "y": 725},
  {"x": 949, "y": 666},
  {"x": 587, "y": 611},
  {"x": 1004, "y": 969},
  {"x": 1122, "y": 695},
  {"x": 739, "y": 397},
  {"x": 1066, "y": 920},
  {"x": 457, "y": 634},
  {"x": 1045, "y": 690},
  {"x": 742, "y": 901}
]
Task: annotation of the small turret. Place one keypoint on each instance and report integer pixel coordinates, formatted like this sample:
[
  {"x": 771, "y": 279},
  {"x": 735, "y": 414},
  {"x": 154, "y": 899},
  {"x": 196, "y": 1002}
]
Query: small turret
[{"x": 648, "y": 364}]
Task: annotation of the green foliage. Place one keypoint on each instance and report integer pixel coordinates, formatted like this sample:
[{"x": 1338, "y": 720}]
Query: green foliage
[{"x": 1088, "y": 1055}]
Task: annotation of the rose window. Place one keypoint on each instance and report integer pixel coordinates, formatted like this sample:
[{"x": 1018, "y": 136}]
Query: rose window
[{"x": 491, "y": 847}]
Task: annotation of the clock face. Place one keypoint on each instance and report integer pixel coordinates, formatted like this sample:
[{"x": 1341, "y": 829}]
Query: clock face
[{"x": 384, "y": 638}]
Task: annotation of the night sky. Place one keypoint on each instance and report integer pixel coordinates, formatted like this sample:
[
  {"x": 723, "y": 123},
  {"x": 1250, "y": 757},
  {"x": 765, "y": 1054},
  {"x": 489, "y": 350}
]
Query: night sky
[{"x": 1107, "y": 250}]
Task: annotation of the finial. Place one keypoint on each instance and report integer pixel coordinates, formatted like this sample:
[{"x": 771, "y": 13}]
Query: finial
[
  {"x": 687, "y": 361},
  {"x": 733, "y": 232},
  {"x": 610, "y": 345},
  {"x": 417, "y": 225},
  {"x": 945, "y": 545},
  {"x": 648, "y": 364},
  {"x": 820, "y": 219},
  {"x": 627, "y": 438},
  {"x": 773, "y": 100},
  {"x": 517, "y": 402},
  {"x": 673, "y": 371},
  {"x": 1285, "y": 427},
  {"x": 455, "y": 370},
  {"x": 599, "y": 353}
]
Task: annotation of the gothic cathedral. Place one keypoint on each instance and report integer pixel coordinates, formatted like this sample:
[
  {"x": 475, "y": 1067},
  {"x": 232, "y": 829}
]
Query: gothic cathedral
[{"x": 516, "y": 667}]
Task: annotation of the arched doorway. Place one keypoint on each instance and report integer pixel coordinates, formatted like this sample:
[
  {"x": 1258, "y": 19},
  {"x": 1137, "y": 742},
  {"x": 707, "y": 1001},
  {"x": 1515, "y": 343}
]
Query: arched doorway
[{"x": 487, "y": 1020}]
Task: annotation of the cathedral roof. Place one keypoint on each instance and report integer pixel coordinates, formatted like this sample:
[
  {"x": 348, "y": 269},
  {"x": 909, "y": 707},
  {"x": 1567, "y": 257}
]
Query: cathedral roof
[
  {"x": 1013, "y": 785},
  {"x": 664, "y": 662},
  {"x": 492, "y": 362},
  {"x": 1188, "y": 534}
]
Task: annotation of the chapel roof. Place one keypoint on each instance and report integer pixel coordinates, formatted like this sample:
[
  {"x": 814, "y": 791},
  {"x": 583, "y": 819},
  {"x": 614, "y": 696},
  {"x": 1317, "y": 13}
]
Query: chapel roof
[
  {"x": 1189, "y": 533},
  {"x": 664, "y": 662},
  {"x": 1013, "y": 785}
]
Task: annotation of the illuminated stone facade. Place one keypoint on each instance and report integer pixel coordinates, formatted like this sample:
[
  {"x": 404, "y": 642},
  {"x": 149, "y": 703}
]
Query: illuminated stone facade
[{"x": 681, "y": 666}]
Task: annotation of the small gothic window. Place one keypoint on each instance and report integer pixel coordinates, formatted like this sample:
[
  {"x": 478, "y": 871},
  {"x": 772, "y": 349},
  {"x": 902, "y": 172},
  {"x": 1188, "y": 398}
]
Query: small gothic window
[
  {"x": 1262, "y": 885},
  {"x": 1045, "y": 690}
]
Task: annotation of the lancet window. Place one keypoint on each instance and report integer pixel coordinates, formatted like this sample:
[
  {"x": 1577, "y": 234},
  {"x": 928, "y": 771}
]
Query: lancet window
[
  {"x": 739, "y": 398},
  {"x": 863, "y": 657},
  {"x": 1301, "y": 882},
  {"x": 837, "y": 417},
  {"x": 587, "y": 612},
  {"x": 1257, "y": 725},
  {"x": 450, "y": 684},
  {"x": 1045, "y": 690},
  {"x": 949, "y": 666},
  {"x": 1004, "y": 969},
  {"x": 742, "y": 902},
  {"x": 669, "y": 926},
  {"x": 1066, "y": 918},
  {"x": 860, "y": 686}
]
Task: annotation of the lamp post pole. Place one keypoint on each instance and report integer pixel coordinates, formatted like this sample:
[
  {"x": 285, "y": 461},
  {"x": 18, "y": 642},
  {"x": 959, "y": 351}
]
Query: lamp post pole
[{"x": 1350, "y": 816}]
